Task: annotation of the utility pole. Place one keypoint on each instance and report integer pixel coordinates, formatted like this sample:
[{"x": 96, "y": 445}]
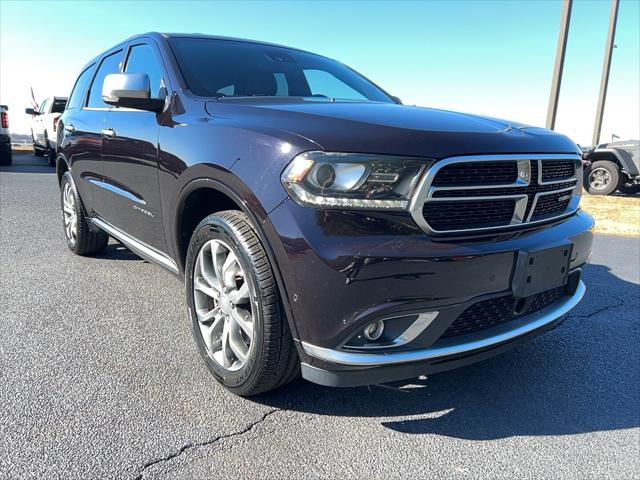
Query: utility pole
[
  {"x": 606, "y": 67},
  {"x": 565, "y": 19}
]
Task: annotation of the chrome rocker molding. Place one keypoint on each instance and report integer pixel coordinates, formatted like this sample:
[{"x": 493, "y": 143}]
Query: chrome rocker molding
[
  {"x": 136, "y": 245},
  {"x": 424, "y": 191},
  {"x": 500, "y": 334}
]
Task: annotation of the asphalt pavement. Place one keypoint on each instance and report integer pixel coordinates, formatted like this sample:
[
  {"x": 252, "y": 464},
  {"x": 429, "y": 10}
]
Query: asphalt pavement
[{"x": 100, "y": 378}]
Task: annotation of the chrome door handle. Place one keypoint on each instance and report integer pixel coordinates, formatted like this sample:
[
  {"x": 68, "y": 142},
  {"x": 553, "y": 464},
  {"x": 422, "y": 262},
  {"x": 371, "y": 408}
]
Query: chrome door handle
[
  {"x": 69, "y": 128},
  {"x": 108, "y": 132}
]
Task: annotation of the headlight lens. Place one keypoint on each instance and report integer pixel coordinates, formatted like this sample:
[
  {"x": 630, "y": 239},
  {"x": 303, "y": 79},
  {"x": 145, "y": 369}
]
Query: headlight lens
[{"x": 353, "y": 180}]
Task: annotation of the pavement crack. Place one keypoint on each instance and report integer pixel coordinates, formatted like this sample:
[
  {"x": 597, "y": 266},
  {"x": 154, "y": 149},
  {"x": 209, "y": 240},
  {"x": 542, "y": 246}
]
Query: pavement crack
[{"x": 193, "y": 445}]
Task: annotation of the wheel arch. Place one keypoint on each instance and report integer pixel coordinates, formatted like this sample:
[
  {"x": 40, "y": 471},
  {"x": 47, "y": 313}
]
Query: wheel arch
[
  {"x": 62, "y": 166},
  {"x": 620, "y": 158},
  {"x": 183, "y": 226}
]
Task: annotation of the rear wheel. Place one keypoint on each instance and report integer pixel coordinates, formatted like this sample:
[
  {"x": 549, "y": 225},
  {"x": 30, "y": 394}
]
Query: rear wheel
[
  {"x": 6, "y": 157},
  {"x": 235, "y": 307},
  {"x": 51, "y": 152},
  {"x": 601, "y": 178},
  {"x": 81, "y": 240}
]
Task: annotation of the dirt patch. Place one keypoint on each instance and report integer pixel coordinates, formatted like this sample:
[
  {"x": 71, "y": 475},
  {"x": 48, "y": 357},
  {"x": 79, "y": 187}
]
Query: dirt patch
[{"x": 615, "y": 215}]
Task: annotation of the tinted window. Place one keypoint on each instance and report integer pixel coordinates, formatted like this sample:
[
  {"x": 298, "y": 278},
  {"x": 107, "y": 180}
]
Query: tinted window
[
  {"x": 110, "y": 64},
  {"x": 214, "y": 68},
  {"x": 76, "y": 99},
  {"x": 58, "y": 105},
  {"x": 142, "y": 59}
]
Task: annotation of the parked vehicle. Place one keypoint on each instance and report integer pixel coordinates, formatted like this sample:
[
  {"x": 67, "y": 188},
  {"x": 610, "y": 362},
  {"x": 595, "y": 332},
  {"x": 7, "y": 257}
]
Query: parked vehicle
[
  {"x": 44, "y": 126},
  {"x": 613, "y": 166},
  {"x": 5, "y": 138},
  {"x": 318, "y": 224}
]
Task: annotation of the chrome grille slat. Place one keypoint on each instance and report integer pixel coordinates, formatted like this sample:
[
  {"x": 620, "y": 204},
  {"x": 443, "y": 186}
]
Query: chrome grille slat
[{"x": 454, "y": 184}]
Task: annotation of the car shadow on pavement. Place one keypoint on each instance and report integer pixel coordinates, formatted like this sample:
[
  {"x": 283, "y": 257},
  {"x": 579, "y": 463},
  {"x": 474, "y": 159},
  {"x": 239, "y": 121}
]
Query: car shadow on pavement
[{"x": 581, "y": 377}]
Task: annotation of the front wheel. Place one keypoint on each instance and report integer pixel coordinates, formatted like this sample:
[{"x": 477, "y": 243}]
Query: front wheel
[
  {"x": 601, "y": 178},
  {"x": 235, "y": 307}
]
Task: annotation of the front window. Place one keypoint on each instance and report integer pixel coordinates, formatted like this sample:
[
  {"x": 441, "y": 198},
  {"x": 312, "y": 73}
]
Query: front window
[{"x": 227, "y": 68}]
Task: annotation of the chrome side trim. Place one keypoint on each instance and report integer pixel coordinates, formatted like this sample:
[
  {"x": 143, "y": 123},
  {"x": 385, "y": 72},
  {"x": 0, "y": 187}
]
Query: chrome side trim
[
  {"x": 114, "y": 189},
  {"x": 424, "y": 191},
  {"x": 409, "y": 335},
  {"x": 454, "y": 345},
  {"x": 136, "y": 245}
]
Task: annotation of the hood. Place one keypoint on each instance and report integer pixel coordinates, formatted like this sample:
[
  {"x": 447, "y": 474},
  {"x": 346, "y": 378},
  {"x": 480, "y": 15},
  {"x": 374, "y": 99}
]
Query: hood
[{"x": 371, "y": 127}]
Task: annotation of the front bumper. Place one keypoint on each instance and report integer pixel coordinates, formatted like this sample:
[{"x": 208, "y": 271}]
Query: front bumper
[
  {"x": 343, "y": 270},
  {"x": 366, "y": 369}
]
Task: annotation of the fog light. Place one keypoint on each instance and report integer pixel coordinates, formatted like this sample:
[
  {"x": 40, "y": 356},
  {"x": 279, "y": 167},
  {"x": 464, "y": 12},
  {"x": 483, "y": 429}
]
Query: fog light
[{"x": 374, "y": 330}]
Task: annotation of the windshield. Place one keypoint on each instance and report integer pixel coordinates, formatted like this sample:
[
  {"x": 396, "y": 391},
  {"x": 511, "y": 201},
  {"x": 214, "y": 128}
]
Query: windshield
[{"x": 227, "y": 68}]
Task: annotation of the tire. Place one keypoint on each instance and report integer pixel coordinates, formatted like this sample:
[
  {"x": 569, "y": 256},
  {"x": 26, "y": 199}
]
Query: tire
[
  {"x": 271, "y": 359},
  {"x": 81, "y": 240},
  {"x": 6, "y": 156},
  {"x": 601, "y": 178},
  {"x": 37, "y": 152},
  {"x": 51, "y": 153}
]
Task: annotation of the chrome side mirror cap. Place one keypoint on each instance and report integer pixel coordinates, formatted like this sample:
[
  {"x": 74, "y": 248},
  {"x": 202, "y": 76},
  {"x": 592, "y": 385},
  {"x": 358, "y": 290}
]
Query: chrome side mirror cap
[{"x": 130, "y": 90}]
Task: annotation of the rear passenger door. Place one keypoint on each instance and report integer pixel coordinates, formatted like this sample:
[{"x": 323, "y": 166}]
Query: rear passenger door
[{"x": 130, "y": 157}]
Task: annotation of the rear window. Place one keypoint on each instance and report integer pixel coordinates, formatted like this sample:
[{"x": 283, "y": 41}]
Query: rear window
[
  {"x": 218, "y": 68},
  {"x": 58, "y": 105}
]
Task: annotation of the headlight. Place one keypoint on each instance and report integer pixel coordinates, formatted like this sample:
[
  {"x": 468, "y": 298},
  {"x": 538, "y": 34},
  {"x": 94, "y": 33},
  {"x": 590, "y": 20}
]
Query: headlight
[{"x": 353, "y": 180}]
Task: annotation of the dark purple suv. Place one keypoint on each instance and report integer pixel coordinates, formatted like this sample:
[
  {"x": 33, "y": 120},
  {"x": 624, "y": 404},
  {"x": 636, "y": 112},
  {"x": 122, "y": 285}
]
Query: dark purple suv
[{"x": 321, "y": 227}]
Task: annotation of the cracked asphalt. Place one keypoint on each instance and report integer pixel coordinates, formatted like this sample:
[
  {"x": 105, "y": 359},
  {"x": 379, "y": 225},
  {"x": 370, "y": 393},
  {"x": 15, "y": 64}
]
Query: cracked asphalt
[{"x": 99, "y": 378}]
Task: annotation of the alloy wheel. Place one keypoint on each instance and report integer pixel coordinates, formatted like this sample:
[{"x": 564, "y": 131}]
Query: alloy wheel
[
  {"x": 70, "y": 214},
  {"x": 599, "y": 178},
  {"x": 223, "y": 305}
]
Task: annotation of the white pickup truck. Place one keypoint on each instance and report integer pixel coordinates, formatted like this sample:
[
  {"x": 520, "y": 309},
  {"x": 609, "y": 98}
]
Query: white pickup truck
[
  {"x": 43, "y": 126},
  {"x": 5, "y": 139}
]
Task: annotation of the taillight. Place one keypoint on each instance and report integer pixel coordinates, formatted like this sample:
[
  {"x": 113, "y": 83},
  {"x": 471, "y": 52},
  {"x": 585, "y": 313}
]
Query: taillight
[
  {"x": 55, "y": 123},
  {"x": 5, "y": 120}
]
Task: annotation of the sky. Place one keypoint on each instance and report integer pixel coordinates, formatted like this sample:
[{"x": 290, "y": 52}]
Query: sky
[{"x": 492, "y": 58}]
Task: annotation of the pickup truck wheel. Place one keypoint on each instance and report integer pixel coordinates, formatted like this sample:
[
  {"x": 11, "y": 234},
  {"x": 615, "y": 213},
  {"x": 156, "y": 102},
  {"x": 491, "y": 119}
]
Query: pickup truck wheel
[
  {"x": 81, "y": 240},
  {"x": 51, "y": 153},
  {"x": 235, "y": 307},
  {"x": 6, "y": 157},
  {"x": 601, "y": 178},
  {"x": 37, "y": 152}
]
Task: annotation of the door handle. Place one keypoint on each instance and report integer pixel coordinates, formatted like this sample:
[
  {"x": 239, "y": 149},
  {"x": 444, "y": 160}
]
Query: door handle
[
  {"x": 108, "y": 132},
  {"x": 69, "y": 128}
]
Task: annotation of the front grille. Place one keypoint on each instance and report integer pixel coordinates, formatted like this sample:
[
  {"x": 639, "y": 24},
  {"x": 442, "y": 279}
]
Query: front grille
[
  {"x": 496, "y": 311},
  {"x": 557, "y": 170},
  {"x": 550, "y": 205},
  {"x": 477, "y": 173},
  {"x": 473, "y": 214},
  {"x": 470, "y": 195}
]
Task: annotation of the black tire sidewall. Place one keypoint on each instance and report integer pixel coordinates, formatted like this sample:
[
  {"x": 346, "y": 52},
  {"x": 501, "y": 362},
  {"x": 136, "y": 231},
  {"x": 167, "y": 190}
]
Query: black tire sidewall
[
  {"x": 612, "y": 168},
  {"x": 66, "y": 178},
  {"x": 211, "y": 228}
]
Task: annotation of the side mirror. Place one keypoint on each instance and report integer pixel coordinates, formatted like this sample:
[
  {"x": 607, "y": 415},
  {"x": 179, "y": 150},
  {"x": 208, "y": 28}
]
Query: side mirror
[
  {"x": 130, "y": 90},
  {"x": 31, "y": 111},
  {"x": 397, "y": 99}
]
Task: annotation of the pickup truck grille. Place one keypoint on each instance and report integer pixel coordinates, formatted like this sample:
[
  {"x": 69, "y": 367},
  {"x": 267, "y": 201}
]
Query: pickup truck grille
[{"x": 460, "y": 195}]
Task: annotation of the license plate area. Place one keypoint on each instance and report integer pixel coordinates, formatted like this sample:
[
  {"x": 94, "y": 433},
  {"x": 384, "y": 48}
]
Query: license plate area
[{"x": 541, "y": 270}]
